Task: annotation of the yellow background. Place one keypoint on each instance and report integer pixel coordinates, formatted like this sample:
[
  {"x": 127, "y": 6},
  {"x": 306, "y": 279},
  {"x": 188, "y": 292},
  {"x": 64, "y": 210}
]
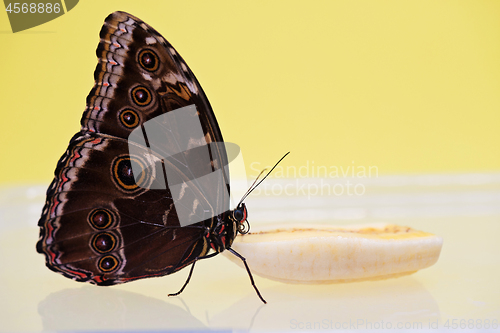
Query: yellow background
[{"x": 406, "y": 86}]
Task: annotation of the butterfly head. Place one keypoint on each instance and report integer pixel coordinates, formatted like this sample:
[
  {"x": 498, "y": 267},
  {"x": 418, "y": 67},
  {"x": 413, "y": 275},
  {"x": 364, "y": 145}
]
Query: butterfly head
[{"x": 239, "y": 215}]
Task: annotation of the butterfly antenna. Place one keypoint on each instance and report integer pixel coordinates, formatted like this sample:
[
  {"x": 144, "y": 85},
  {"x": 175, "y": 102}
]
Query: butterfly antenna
[{"x": 252, "y": 187}]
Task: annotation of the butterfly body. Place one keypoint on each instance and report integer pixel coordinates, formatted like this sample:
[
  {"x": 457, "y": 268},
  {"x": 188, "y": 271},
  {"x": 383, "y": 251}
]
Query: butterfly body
[{"x": 101, "y": 223}]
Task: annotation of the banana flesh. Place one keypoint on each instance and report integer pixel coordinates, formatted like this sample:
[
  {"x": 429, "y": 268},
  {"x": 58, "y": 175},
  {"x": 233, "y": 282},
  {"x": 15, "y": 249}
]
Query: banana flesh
[{"x": 328, "y": 254}]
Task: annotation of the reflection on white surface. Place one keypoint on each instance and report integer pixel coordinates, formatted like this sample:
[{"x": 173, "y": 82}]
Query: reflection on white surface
[
  {"x": 463, "y": 285},
  {"x": 110, "y": 309}
]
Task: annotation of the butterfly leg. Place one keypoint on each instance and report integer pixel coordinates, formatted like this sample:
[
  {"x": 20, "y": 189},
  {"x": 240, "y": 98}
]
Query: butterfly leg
[
  {"x": 191, "y": 272},
  {"x": 248, "y": 271}
]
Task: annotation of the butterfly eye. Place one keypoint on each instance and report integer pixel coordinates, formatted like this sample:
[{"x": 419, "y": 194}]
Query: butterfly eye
[
  {"x": 238, "y": 215},
  {"x": 141, "y": 96},
  {"x": 129, "y": 118},
  {"x": 148, "y": 60},
  {"x": 108, "y": 264}
]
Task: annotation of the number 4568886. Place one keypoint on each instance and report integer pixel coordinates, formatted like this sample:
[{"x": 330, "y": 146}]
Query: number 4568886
[{"x": 33, "y": 8}]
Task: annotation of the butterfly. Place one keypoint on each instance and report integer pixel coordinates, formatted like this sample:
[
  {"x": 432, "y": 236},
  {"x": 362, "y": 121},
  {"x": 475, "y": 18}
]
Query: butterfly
[{"x": 103, "y": 221}]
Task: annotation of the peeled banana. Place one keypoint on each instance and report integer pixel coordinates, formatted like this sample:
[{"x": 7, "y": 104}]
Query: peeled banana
[{"x": 328, "y": 254}]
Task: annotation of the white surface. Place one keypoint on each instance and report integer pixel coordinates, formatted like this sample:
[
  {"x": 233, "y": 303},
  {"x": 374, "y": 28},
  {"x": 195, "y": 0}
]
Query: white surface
[{"x": 463, "y": 287}]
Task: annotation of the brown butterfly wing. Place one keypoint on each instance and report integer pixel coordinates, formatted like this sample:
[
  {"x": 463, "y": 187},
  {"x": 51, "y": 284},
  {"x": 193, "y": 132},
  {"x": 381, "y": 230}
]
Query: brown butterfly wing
[{"x": 99, "y": 224}]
